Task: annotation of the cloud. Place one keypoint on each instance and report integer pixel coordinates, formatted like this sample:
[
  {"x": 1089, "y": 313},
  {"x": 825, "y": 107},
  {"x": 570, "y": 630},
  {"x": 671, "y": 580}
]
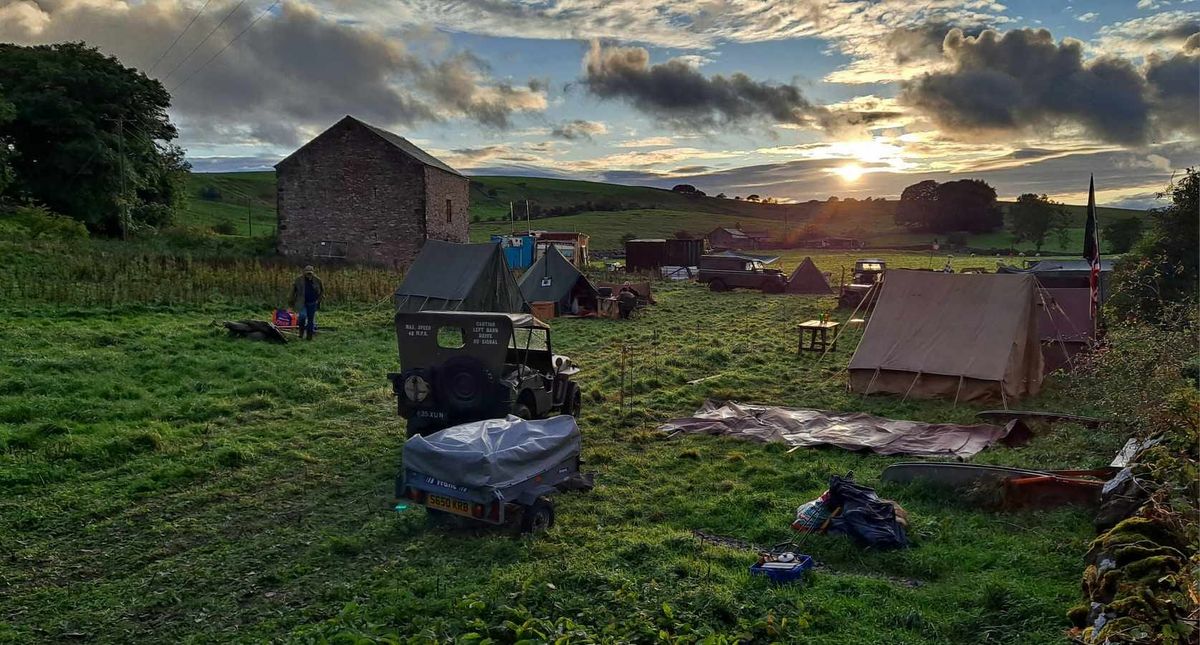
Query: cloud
[
  {"x": 648, "y": 142},
  {"x": 1166, "y": 32},
  {"x": 579, "y": 129},
  {"x": 678, "y": 94},
  {"x": 1023, "y": 81},
  {"x": 296, "y": 70},
  {"x": 1087, "y": 17}
]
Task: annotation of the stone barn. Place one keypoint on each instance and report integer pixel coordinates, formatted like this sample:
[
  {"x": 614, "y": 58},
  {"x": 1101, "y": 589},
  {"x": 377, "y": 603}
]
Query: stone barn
[{"x": 362, "y": 194}]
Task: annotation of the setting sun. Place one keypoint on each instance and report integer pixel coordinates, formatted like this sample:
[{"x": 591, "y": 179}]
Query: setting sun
[{"x": 849, "y": 172}]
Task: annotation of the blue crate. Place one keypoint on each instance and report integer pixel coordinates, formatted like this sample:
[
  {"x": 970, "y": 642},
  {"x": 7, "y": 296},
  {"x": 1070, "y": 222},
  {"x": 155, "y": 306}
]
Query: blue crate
[{"x": 783, "y": 576}]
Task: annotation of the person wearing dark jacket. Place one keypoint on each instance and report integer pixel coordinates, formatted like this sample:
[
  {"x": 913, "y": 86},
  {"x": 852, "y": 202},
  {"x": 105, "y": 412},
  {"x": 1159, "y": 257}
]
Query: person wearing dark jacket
[{"x": 307, "y": 293}]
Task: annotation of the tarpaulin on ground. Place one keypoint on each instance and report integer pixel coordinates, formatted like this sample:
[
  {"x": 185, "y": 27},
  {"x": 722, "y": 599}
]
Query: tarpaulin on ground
[
  {"x": 848, "y": 430},
  {"x": 495, "y": 453}
]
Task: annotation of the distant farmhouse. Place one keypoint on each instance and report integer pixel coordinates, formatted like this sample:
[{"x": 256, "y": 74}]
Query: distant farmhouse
[
  {"x": 735, "y": 238},
  {"x": 365, "y": 195}
]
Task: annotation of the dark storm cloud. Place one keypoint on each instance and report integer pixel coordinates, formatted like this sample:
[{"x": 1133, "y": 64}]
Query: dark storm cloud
[
  {"x": 294, "y": 71},
  {"x": 1175, "y": 89},
  {"x": 1024, "y": 79},
  {"x": 677, "y": 93}
]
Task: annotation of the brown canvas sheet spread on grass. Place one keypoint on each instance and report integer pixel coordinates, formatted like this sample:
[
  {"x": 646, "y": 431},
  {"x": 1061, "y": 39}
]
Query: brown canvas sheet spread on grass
[
  {"x": 962, "y": 336},
  {"x": 848, "y": 430}
]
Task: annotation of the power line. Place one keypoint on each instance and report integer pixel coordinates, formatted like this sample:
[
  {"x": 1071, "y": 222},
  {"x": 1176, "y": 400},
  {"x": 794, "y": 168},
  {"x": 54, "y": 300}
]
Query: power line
[
  {"x": 176, "y": 41},
  {"x": 222, "y": 50},
  {"x": 201, "y": 43}
]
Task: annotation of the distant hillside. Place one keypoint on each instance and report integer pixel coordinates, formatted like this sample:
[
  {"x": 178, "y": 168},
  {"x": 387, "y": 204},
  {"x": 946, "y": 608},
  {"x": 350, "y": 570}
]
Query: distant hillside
[{"x": 608, "y": 212}]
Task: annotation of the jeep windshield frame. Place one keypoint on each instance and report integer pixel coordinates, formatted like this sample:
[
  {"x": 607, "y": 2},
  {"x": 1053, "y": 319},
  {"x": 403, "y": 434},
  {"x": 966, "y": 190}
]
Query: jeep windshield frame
[{"x": 485, "y": 336}]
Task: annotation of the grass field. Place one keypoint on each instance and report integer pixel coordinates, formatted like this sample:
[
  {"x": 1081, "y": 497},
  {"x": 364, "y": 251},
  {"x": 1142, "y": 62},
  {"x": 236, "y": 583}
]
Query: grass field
[
  {"x": 645, "y": 212},
  {"x": 165, "y": 483}
]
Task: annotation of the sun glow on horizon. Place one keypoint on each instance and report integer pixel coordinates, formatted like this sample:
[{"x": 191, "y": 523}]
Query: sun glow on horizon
[{"x": 849, "y": 173}]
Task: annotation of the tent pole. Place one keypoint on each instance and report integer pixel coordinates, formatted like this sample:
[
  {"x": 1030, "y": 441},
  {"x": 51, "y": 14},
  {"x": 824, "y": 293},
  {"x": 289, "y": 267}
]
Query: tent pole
[
  {"x": 871, "y": 382},
  {"x": 911, "y": 385},
  {"x": 958, "y": 391}
]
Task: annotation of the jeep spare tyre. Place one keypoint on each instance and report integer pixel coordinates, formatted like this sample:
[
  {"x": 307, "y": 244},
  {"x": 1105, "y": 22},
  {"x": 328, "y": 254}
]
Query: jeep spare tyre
[{"x": 464, "y": 386}]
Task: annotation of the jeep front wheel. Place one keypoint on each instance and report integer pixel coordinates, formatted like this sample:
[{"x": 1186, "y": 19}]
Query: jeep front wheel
[
  {"x": 572, "y": 400},
  {"x": 523, "y": 411}
]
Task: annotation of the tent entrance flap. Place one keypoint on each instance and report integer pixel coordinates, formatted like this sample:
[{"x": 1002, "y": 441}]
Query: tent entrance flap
[{"x": 554, "y": 279}]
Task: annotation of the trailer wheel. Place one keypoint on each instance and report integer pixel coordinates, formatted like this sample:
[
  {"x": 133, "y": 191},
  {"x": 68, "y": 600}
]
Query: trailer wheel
[{"x": 538, "y": 517}]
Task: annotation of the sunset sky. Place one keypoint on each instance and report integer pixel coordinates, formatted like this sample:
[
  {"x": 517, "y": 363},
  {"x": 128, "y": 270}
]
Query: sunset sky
[{"x": 797, "y": 100}]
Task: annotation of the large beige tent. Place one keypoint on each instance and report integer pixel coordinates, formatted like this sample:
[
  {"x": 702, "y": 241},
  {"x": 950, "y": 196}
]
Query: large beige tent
[{"x": 968, "y": 337}]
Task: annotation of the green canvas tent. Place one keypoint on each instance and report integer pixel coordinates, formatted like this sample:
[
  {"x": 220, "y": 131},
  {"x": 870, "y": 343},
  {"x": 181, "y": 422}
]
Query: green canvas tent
[
  {"x": 460, "y": 277},
  {"x": 807, "y": 278},
  {"x": 554, "y": 279}
]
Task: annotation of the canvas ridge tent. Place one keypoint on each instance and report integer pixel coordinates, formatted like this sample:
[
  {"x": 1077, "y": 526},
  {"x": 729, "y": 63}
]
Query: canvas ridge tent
[
  {"x": 554, "y": 279},
  {"x": 459, "y": 277},
  {"x": 807, "y": 278},
  {"x": 968, "y": 337}
]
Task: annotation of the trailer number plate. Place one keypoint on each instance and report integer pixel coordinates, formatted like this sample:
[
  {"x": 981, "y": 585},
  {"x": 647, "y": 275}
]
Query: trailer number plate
[{"x": 449, "y": 504}]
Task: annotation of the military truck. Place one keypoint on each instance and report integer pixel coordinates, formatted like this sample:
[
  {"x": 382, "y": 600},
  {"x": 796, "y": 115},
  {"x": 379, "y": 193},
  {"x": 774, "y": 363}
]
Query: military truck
[
  {"x": 457, "y": 367},
  {"x": 864, "y": 283}
]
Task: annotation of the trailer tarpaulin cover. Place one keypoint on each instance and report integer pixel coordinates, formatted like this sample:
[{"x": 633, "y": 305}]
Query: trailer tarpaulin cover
[
  {"x": 493, "y": 454},
  {"x": 848, "y": 430},
  {"x": 966, "y": 337},
  {"x": 459, "y": 277}
]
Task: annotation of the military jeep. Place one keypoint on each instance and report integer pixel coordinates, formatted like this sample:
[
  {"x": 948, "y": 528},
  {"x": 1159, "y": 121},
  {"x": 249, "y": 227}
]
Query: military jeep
[{"x": 458, "y": 367}]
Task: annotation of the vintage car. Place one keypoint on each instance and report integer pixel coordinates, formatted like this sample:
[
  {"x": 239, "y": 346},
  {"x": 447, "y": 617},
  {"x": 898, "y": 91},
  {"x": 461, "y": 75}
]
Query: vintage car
[{"x": 723, "y": 272}]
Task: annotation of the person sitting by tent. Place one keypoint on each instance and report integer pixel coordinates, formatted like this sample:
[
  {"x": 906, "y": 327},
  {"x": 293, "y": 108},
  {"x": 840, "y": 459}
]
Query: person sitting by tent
[
  {"x": 627, "y": 299},
  {"x": 307, "y": 293}
]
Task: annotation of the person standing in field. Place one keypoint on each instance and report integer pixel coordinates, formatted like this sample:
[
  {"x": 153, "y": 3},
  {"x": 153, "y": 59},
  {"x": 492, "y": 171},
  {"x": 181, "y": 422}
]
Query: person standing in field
[{"x": 307, "y": 292}]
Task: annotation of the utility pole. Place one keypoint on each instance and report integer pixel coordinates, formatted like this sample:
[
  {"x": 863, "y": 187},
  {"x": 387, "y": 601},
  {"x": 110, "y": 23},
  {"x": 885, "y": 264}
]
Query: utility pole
[
  {"x": 124, "y": 204},
  {"x": 512, "y": 220},
  {"x": 249, "y": 222},
  {"x": 528, "y": 228}
]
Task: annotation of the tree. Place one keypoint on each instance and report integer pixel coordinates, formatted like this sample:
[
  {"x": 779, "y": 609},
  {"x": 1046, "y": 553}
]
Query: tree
[
  {"x": 684, "y": 188},
  {"x": 1162, "y": 271},
  {"x": 968, "y": 205},
  {"x": 917, "y": 205},
  {"x": 720, "y": 195},
  {"x": 752, "y": 198},
  {"x": 1122, "y": 234},
  {"x": 76, "y": 111},
  {"x": 7, "y": 114},
  {"x": 1034, "y": 217},
  {"x": 963, "y": 205}
]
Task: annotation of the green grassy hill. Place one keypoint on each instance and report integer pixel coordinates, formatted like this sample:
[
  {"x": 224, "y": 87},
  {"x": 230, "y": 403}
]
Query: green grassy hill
[{"x": 245, "y": 201}]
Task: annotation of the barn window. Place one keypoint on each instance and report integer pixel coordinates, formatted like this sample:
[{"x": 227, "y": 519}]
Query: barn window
[{"x": 449, "y": 212}]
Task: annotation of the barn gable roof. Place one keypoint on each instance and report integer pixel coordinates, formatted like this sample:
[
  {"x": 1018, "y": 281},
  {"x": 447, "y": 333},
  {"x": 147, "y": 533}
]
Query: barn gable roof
[{"x": 397, "y": 141}]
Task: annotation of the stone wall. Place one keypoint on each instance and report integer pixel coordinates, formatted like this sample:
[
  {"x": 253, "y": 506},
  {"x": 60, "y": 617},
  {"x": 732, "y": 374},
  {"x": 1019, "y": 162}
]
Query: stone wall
[
  {"x": 351, "y": 193},
  {"x": 439, "y": 187}
]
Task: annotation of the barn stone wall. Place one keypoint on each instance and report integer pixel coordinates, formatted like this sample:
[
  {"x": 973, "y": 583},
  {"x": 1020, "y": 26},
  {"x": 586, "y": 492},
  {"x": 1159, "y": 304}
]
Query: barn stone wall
[
  {"x": 439, "y": 187},
  {"x": 348, "y": 192}
]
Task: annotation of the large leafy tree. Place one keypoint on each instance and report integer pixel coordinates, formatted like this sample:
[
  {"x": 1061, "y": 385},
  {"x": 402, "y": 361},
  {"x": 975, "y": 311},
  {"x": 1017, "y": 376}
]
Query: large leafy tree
[
  {"x": 79, "y": 118},
  {"x": 7, "y": 112},
  {"x": 963, "y": 205},
  {"x": 1161, "y": 274},
  {"x": 1034, "y": 217}
]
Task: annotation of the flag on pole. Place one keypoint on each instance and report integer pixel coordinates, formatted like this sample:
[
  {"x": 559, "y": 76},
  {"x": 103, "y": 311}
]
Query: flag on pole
[{"x": 1091, "y": 249}]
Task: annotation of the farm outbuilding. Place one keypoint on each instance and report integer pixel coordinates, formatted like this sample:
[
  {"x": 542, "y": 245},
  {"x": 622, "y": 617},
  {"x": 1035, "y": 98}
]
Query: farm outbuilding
[
  {"x": 966, "y": 337},
  {"x": 362, "y": 194},
  {"x": 554, "y": 279},
  {"x": 735, "y": 238},
  {"x": 460, "y": 277},
  {"x": 650, "y": 254}
]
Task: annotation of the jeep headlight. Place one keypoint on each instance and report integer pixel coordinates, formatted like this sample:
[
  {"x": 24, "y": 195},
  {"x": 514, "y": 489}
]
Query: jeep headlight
[{"x": 416, "y": 389}]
